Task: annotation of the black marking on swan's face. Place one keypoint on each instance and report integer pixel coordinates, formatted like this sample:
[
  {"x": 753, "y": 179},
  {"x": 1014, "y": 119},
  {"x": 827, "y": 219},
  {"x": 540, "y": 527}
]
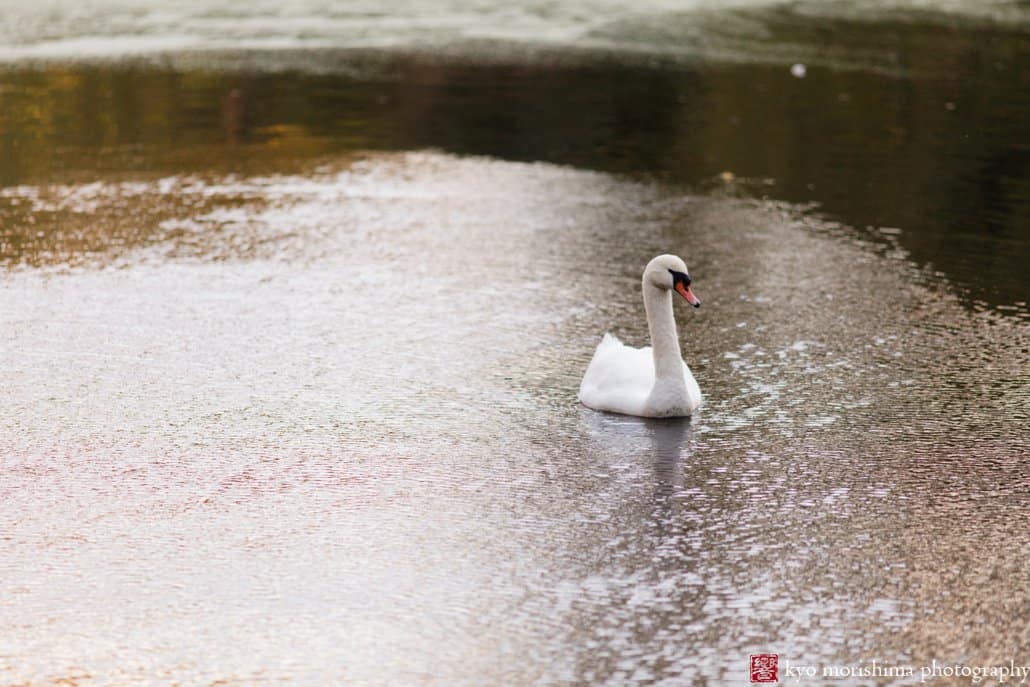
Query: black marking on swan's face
[
  {"x": 680, "y": 278},
  {"x": 681, "y": 285}
]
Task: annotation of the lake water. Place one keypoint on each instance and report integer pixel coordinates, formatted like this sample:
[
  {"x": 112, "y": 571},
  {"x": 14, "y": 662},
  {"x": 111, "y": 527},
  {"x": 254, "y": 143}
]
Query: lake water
[{"x": 295, "y": 305}]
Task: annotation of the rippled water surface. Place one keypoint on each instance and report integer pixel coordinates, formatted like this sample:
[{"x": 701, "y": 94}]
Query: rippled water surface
[
  {"x": 290, "y": 397},
  {"x": 327, "y": 431}
]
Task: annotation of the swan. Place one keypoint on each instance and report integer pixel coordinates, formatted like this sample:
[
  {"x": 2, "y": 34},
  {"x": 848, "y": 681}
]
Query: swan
[{"x": 652, "y": 381}]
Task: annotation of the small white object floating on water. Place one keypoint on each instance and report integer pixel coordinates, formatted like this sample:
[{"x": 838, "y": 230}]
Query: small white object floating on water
[{"x": 798, "y": 70}]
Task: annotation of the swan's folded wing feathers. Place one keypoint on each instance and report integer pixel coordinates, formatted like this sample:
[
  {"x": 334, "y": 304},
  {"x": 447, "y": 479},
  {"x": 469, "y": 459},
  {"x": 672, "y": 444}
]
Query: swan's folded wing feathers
[{"x": 619, "y": 377}]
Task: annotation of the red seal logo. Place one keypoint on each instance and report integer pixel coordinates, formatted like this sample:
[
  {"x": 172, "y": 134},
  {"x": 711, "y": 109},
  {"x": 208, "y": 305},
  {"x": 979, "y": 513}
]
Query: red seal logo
[{"x": 765, "y": 667}]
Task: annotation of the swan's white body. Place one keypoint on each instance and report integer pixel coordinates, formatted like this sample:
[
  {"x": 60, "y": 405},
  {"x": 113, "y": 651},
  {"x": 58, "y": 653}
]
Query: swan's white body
[{"x": 652, "y": 381}]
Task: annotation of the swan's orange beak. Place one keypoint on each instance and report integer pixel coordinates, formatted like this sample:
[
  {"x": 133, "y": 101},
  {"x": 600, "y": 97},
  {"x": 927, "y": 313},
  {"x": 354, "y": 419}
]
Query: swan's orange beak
[{"x": 688, "y": 294}]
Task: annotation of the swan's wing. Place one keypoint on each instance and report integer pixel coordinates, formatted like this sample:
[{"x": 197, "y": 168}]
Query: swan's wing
[{"x": 619, "y": 378}]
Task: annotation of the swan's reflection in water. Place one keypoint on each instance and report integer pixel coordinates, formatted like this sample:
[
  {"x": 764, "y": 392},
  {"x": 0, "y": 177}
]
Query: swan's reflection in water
[
  {"x": 669, "y": 441},
  {"x": 662, "y": 443}
]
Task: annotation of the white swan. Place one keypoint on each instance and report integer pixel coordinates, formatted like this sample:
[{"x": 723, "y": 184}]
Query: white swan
[{"x": 652, "y": 381}]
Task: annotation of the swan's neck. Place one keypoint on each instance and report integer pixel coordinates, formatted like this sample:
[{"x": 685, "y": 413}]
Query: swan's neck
[{"x": 665, "y": 343}]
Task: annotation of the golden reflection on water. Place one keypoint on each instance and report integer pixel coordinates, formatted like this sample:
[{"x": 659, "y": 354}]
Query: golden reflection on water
[{"x": 907, "y": 146}]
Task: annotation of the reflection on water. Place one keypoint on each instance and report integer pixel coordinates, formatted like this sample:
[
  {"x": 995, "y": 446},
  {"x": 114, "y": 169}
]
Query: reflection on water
[
  {"x": 667, "y": 438},
  {"x": 325, "y": 431},
  {"x": 277, "y": 408},
  {"x": 929, "y": 156}
]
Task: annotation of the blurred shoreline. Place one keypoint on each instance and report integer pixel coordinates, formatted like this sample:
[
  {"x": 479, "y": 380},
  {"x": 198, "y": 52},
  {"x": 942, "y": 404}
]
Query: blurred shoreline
[{"x": 828, "y": 32}]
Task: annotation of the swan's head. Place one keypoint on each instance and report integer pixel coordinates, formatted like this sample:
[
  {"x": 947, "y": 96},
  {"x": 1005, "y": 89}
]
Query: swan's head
[{"x": 668, "y": 272}]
